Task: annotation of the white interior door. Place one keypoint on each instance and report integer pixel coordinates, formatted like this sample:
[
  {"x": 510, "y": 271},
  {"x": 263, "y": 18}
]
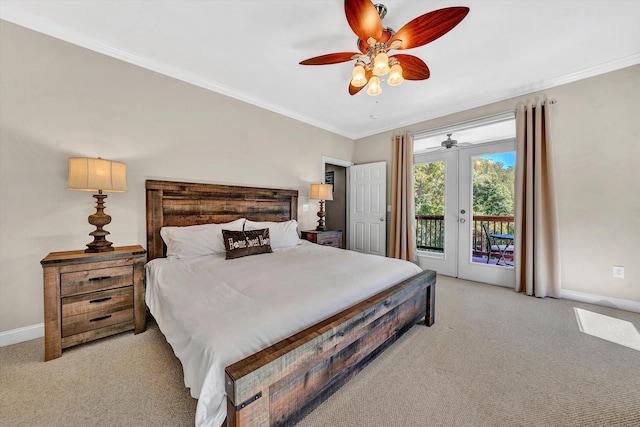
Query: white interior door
[{"x": 367, "y": 208}]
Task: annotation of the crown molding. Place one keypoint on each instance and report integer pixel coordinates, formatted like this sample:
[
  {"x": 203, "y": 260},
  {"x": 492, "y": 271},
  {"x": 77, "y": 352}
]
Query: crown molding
[
  {"x": 19, "y": 17},
  {"x": 607, "y": 67},
  {"x": 61, "y": 32}
]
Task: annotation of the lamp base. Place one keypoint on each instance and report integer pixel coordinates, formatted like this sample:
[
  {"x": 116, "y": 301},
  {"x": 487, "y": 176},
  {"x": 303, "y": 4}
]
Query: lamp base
[
  {"x": 99, "y": 219},
  {"x": 321, "y": 226}
]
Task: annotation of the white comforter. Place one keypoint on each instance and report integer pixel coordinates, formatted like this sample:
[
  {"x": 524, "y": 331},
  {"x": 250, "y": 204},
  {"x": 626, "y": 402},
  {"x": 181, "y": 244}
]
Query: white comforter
[{"x": 215, "y": 312}]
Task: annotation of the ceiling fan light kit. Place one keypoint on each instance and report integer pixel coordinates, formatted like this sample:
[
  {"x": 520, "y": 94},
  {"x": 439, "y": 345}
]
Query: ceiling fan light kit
[{"x": 374, "y": 42}]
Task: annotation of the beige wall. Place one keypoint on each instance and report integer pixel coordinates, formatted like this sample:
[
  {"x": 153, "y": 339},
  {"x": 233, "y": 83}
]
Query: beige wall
[
  {"x": 596, "y": 131},
  {"x": 58, "y": 100}
]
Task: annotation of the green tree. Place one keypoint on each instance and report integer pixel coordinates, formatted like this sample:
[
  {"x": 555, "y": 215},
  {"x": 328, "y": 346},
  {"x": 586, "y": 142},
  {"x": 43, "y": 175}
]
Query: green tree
[
  {"x": 429, "y": 188},
  {"x": 493, "y": 188}
]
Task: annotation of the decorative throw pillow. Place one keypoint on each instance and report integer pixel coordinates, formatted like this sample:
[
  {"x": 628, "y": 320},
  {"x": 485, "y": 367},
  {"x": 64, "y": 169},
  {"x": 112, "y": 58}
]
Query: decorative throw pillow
[
  {"x": 248, "y": 242},
  {"x": 197, "y": 240},
  {"x": 283, "y": 234}
]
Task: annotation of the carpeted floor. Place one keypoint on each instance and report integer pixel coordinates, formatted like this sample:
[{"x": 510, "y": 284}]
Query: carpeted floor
[{"x": 493, "y": 358}]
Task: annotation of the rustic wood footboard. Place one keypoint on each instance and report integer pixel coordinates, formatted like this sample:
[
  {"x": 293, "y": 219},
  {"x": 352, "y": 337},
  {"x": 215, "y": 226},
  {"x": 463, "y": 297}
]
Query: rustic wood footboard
[{"x": 281, "y": 384}]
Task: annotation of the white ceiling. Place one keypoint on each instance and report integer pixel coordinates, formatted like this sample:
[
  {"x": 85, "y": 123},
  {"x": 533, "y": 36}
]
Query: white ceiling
[{"x": 250, "y": 50}]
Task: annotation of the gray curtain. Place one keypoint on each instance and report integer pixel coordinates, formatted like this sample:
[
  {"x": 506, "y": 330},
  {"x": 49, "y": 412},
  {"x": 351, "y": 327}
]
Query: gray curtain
[
  {"x": 537, "y": 260},
  {"x": 402, "y": 235}
]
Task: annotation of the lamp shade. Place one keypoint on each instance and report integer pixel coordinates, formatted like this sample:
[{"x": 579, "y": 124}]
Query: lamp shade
[
  {"x": 374, "y": 86},
  {"x": 395, "y": 76},
  {"x": 321, "y": 192},
  {"x": 88, "y": 174},
  {"x": 358, "y": 78}
]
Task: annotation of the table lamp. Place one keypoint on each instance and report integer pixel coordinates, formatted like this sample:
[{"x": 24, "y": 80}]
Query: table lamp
[
  {"x": 86, "y": 174},
  {"x": 321, "y": 192}
]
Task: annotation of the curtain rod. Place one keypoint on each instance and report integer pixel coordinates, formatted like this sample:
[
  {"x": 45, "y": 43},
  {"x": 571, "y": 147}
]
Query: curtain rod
[{"x": 543, "y": 103}]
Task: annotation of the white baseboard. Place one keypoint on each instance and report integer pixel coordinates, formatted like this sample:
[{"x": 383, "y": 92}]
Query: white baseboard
[
  {"x": 621, "y": 304},
  {"x": 16, "y": 336}
]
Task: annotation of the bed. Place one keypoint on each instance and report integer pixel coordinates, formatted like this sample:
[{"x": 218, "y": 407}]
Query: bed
[{"x": 296, "y": 359}]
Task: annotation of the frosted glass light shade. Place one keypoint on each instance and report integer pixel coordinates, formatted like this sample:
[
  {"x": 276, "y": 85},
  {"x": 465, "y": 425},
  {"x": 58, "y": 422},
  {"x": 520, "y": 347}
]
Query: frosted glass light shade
[
  {"x": 374, "y": 86},
  {"x": 358, "y": 78},
  {"x": 380, "y": 64},
  {"x": 395, "y": 76},
  {"x": 86, "y": 174},
  {"x": 321, "y": 192}
]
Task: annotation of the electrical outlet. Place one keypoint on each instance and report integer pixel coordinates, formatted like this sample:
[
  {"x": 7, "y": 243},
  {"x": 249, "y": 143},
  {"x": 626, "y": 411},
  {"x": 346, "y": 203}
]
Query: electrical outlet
[
  {"x": 618, "y": 272},
  {"x": 305, "y": 208}
]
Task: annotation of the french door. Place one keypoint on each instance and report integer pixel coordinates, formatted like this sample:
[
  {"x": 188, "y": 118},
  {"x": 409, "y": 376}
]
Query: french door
[{"x": 463, "y": 249}]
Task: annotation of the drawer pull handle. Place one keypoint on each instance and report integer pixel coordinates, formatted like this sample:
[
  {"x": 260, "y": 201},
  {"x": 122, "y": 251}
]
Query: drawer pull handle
[
  {"x": 100, "y": 278},
  {"x": 97, "y": 319},
  {"x": 99, "y": 300}
]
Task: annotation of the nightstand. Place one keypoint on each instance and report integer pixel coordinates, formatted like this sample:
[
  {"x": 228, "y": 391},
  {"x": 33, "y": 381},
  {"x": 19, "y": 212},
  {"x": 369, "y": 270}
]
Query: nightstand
[
  {"x": 324, "y": 238},
  {"x": 88, "y": 296}
]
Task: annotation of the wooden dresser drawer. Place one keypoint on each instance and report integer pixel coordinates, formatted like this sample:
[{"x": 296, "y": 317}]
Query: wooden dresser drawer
[
  {"x": 79, "y": 282},
  {"x": 95, "y": 310},
  {"x": 331, "y": 240},
  {"x": 324, "y": 238}
]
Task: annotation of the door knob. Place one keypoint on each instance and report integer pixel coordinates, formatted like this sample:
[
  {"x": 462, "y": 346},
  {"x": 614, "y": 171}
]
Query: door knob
[{"x": 463, "y": 220}]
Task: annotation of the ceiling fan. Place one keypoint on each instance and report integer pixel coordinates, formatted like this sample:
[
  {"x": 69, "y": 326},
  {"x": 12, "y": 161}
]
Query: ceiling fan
[
  {"x": 375, "y": 42},
  {"x": 449, "y": 143}
]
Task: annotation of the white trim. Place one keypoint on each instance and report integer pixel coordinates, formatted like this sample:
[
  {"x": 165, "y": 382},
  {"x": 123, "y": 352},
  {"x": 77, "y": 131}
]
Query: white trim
[
  {"x": 69, "y": 35},
  {"x": 337, "y": 162},
  {"x": 621, "y": 304},
  {"x": 469, "y": 124},
  {"x": 499, "y": 96},
  {"x": 19, "y": 335}
]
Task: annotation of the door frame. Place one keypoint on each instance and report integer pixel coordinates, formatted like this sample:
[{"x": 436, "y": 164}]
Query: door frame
[{"x": 345, "y": 164}]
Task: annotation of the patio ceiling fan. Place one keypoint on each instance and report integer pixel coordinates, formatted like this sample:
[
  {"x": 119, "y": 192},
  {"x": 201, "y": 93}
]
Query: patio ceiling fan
[
  {"x": 449, "y": 143},
  {"x": 375, "y": 43}
]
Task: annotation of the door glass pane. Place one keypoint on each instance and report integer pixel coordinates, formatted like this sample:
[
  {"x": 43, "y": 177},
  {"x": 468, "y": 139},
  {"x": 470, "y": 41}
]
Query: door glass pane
[
  {"x": 493, "y": 206},
  {"x": 429, "y": 191}
]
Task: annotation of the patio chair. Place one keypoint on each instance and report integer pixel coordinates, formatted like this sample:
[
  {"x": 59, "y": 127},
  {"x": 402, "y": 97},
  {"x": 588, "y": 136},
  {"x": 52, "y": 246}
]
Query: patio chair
[{"x": 496, "y": 250}]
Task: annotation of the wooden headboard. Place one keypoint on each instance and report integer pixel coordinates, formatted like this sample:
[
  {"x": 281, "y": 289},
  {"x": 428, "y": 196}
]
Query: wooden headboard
[{"x": 182, "y": 203}]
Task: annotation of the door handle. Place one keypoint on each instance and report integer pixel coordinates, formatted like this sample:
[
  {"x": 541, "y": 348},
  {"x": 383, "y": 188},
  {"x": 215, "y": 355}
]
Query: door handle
[{"x": 463, "y": 220}]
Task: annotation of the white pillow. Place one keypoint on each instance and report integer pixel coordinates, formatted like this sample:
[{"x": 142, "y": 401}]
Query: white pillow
[
  {"x": 282, "y": 234},
  {"x": 197, "y": 240}
]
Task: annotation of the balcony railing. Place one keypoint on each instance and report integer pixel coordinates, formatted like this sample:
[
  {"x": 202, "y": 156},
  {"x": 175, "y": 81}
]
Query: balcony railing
[{"x": 430, "y": 232}]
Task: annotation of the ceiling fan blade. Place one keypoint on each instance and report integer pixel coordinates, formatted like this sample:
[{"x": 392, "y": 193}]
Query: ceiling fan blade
[
  {"x": 430, "y": 26},
  {"x": 413, "y": 68},
  {"x": 331, "y": 58},
  {"x": 363, "y": 18},
  {"x": 353, "y": 89}
]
